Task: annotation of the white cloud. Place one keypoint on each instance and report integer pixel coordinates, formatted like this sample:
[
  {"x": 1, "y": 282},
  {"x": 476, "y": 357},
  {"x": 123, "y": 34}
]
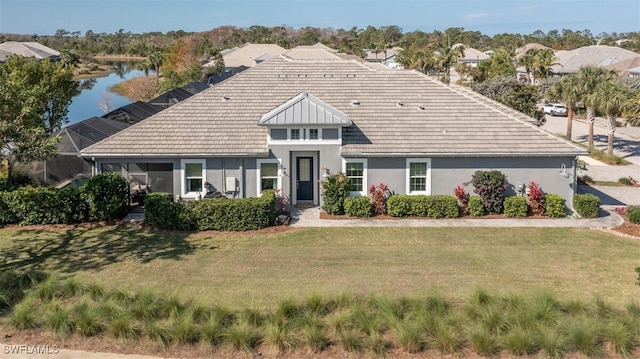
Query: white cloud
[{"x": 476, "y": 16}]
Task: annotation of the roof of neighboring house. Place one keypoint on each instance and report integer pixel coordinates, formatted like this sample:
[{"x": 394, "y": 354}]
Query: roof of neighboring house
[
  {"x": 248, "y": 54},
  {"x": 171, "y": 98},
  {"x": 596, "y": 55},
  {"x": 393, "y": 112},
  {"x": 370, "y": 55},
  {"x": 79, "y": 135},
  {"x": 471, "y": 54},
  {"x": 26, "y": 49},
  {"x": 624, "y": 67},
  {"x": 521, "y": 51},
  {"x": 133, "y": 112}
]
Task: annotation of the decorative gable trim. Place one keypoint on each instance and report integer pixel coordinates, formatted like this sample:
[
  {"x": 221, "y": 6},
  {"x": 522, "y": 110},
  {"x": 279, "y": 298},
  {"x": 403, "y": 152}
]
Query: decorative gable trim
[{"x": 303, "y": 110}]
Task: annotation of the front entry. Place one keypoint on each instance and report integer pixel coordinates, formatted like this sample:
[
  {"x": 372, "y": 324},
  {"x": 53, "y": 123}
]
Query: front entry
[{"x": 304, "y": 179}]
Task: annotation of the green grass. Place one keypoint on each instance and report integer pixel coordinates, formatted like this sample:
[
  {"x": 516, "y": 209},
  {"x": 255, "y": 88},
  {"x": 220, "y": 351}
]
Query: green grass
[
  {"x": 484, "y": 323},
  {"x": 258, "y": 270}
]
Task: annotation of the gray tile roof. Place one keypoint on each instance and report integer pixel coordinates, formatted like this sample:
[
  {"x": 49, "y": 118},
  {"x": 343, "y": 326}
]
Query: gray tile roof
[
  {"x": 596, "y": 55},
  {"x": 400, "y": 112},
  {"x": 28, "y": 49}
]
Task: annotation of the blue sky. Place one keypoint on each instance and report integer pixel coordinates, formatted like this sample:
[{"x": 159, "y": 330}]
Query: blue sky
[{"x": 490, "y": 17}]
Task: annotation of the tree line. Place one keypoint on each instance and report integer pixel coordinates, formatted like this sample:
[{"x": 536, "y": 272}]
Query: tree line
[{"x": 351, "y": 41}]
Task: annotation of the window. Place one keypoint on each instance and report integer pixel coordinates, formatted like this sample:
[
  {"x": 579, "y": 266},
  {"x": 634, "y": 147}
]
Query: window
[
  {"x": 295, "y": 133},
  {"x": 356, "y": 171},
  {"x": 418, "y": 176},
  {"x": 313, "y": 134},
  {"x": 268, "y": 175},
  {"x": 193, "y": 177}
]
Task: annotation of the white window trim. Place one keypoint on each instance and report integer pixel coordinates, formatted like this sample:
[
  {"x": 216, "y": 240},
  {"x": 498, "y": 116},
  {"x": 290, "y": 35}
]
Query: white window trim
[
  {"x": 259, "y": 163},
  {"x": 183, "y": 180},
  {"x": 365, "y": 186},
  {"x": 408, "y": 176}
]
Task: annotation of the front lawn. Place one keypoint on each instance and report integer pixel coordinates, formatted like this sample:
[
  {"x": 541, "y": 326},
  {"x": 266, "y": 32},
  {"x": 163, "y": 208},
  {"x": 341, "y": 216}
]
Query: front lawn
[{"x": 257, "y": 269}]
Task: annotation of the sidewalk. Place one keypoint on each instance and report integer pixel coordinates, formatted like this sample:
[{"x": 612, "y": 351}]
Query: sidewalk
[{"x": 310, "y": 217}]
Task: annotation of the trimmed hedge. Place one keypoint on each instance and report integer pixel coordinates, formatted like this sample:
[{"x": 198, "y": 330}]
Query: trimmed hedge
[
  {"x": 220, "y": 214},
  {"x": 515, "y": 206},
  {"x": 107, "y": 195},
  {"x": 476, "y": 206},
  {"x": 42, "y": 205},
  {"x": 554, "y": 205},
  {"x": 435, "y": 206},
  {"x": 161, "y": 212},
  {"x": 358, "y": 206},
  {"x": 586, "y": 205},
  {"x": 633, "y": 214}
]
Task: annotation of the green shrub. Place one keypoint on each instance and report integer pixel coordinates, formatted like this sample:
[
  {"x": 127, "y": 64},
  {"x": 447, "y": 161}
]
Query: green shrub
[
  {"x": 586, "y": 205},
  {"x": 161, "y": 212},
  {"x": 358, "y": 206},
  {"x": 515, "y": 206},
  {"x": 633, "y": 214},
  {"x": 490, "y": 186},
  {"x": 222, "y": 214},
  {"x": 398, "y": 206},
  {"x": 6, "y": 213},
  {"x": 34, "y": 205},
  {"x": 554, "y": 205},
  {"x": 476, "y": 206},
  {"x": 436, "y": 206},
  {"x": 107, "y": 195},
  {"x": 335, "y": 189},
  {"x": 626, "y": 181},
  {"x": 72, "y": 205},
  {"x": 443, "y": 206}
]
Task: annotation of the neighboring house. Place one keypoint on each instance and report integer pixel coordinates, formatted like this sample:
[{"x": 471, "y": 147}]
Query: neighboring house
[
  {"x": 472, "y": 57},
  {"x": 521, "y": 71},
  {"x": 521, "y": 51},
  {"x": 289, "y": 122},
  {"x": 27, "y": 49},
  {"x": 596, "y": 55},
  {"x": 248, "y": 55},
  {"x": 387, "y": 57},
  {"x": 626, "y": 68}
]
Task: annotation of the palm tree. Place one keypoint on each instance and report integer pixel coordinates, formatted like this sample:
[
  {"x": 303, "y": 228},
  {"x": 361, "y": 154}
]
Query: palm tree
[
  {"x": 567, "y": 91},
  {"x": 156, "y": 58},
  {"x": 588, "y": 78},
  {"x": 633, "y": 111},
  {"x": 145, "y": 65},
  {"x": 610, "y": 97},
  {"x": 446, "y": 56},
  {"x": 527, "y": 60},
  {"x": 543, "y": 61}
]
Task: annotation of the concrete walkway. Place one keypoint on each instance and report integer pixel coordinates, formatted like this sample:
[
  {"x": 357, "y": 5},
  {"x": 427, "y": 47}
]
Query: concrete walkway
[{"x": 310, "y": 217}]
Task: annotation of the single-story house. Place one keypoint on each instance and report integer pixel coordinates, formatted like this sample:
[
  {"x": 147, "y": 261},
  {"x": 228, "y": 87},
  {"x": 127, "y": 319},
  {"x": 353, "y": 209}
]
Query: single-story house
[
  {"x": 472, "y": 57},
  {"x": 595, "y": 55},
  {"x": 27, "y": 49},
  {"x": 248, "y": 55},
  {"x": 387, "y": 57},
  {"x": 294, "y": 119}
]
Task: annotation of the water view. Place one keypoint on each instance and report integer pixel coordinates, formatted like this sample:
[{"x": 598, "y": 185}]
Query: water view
[{"x": 91, "y": 100}]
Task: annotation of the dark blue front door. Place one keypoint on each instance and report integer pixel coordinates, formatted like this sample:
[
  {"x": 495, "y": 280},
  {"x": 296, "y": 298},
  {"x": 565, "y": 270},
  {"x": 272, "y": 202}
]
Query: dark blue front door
[{"x": 304, "y": 176}]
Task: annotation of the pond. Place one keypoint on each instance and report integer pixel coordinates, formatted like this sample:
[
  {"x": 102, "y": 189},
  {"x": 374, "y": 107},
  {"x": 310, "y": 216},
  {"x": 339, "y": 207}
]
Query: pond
[{"x": 94, "y": 94}]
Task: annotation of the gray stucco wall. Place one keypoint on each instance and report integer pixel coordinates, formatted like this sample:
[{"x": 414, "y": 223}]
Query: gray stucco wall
[{"x": 447, "y": 173}]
